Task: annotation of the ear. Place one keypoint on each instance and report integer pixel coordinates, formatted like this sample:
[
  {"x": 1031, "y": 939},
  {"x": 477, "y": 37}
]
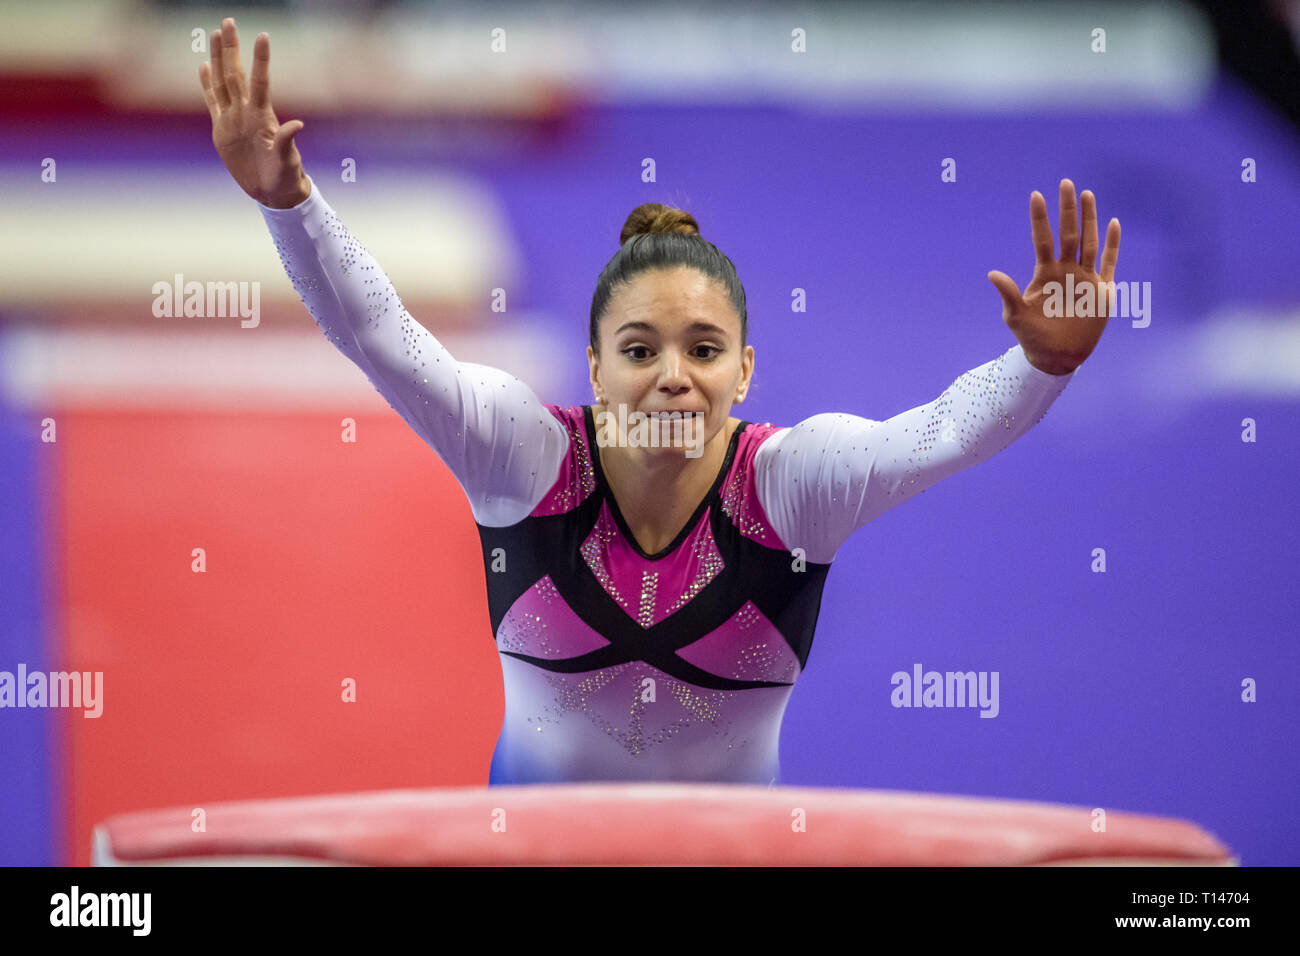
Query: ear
[
  {"x": 746, "y": 374},
  {"x": 593, "y": 369}
]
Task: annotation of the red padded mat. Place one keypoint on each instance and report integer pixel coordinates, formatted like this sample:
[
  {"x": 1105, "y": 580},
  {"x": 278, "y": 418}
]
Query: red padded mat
[
  {"x": 648, "y": 824},
  {"x": 325, "y": 561}
]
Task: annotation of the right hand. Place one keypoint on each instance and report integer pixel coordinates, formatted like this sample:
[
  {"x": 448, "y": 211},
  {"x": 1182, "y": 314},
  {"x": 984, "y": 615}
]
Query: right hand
[{"x": 259, "y": 153}]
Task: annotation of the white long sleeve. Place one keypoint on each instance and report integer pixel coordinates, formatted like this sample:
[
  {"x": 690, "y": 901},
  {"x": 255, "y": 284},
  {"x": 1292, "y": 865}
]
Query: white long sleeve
[
  {"x": 824, "y": 478},
  {"x": 496, "y": 436}
]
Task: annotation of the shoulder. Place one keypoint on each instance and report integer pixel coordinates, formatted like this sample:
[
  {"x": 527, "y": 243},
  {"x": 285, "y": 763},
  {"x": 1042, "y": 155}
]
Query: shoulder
[
  {"x": 572, "y": 417},
  {"x": 755, "y": 436},
  {"x": 826, "y": 430},
  {"x": 739, "y": 493},
  {"x": 576, "y": 478}
]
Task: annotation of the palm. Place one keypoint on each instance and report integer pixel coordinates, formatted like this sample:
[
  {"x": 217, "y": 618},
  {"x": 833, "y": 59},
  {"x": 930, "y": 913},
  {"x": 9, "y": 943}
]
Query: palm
[
  {"x": 243, "y": 138},
  {"x": 1053, "y": 341},
  {"x": 257, "y": 150}
]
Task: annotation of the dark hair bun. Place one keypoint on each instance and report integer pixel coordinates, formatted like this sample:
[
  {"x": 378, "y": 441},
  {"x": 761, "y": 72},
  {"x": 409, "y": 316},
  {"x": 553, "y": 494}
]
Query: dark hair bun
[{"x": 656, "y": 217}]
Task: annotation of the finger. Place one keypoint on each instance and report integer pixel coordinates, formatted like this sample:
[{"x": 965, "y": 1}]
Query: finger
[
  {"x": 1009, "y": 291},
  {"x": 218, "y": 75},
  {"x": 1042, "y": 228},
  {"x": 283, "y": 144},
  {"x": 1069, "y": 223},
  {"x": 234, "y": 73},
  {"x": 1110, "y": 254},
  {"x": 259, "y": 83},
  {"x": 1088, "y": 254},
  {"x": 209, "y": 95}
]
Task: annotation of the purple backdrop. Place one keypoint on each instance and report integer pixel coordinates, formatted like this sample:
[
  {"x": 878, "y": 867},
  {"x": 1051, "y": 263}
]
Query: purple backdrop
[{"x": 1119, "y": 690}]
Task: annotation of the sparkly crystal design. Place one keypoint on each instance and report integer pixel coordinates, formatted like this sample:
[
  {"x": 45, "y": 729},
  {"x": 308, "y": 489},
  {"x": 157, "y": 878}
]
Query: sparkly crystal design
[
  {"x": 747, "y": 647},
  {"x": 641, "y": 725},
  {"x": 541, "y": 624}
]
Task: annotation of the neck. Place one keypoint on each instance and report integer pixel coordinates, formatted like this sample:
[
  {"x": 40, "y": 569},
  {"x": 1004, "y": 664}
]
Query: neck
[{"x": 647, "y": 478}]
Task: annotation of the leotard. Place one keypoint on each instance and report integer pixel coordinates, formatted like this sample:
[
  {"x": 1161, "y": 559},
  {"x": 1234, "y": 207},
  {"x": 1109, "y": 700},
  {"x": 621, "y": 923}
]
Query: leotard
[{"x": 620, "y": 665}]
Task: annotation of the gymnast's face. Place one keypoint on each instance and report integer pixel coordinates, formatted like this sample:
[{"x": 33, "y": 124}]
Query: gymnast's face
[{"x": 670, "y": 341}]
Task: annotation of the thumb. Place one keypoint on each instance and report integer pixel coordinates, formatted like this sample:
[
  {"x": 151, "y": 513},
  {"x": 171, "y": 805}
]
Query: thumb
[
  {"x": 1009, "y": 291},
  {"x": 284, "y": 139}
]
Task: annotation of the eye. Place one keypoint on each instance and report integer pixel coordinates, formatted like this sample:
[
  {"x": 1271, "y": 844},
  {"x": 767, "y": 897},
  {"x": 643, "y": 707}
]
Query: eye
[{"x": 711, "y": 352}]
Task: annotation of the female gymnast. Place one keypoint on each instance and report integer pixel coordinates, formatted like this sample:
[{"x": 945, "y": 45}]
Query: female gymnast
[{"x": 652, "y": 604}]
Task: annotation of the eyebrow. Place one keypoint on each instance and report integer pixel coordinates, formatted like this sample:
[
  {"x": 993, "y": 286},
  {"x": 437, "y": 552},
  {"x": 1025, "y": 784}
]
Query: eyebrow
[{"x": 693, "y": 327}]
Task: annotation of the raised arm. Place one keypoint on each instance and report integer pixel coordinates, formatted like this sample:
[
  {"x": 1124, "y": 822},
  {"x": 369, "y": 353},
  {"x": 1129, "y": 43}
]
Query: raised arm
[
  {"x": 489, "y": 428},
  {"x": 830, "y": 474}
]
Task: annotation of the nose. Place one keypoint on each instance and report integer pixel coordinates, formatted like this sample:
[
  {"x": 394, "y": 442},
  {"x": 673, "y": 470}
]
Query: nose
[{"x": 672, "y": 373}]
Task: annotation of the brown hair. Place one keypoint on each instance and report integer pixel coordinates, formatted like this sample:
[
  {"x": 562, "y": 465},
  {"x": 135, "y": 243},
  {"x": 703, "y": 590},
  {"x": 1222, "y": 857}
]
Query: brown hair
[{"x": 656, "y": 236}]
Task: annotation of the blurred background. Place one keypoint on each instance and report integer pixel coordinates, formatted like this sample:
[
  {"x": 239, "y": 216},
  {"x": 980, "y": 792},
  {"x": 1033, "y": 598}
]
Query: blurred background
[{"x": 501, "y": 146}]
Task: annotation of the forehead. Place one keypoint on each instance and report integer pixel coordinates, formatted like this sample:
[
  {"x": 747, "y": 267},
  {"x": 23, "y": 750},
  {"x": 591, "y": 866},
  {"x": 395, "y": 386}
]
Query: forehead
[{"x": 668, "y": 298}]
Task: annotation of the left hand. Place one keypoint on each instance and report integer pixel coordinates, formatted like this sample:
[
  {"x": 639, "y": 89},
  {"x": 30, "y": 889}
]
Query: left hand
[{"x": 1059, "y": 344}]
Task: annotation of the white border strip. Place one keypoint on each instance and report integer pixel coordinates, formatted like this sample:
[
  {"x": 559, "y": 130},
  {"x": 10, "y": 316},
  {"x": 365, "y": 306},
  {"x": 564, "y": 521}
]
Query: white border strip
[
  {"x": 239, "y": 368},
  {"x": 523, "y": 58}
]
